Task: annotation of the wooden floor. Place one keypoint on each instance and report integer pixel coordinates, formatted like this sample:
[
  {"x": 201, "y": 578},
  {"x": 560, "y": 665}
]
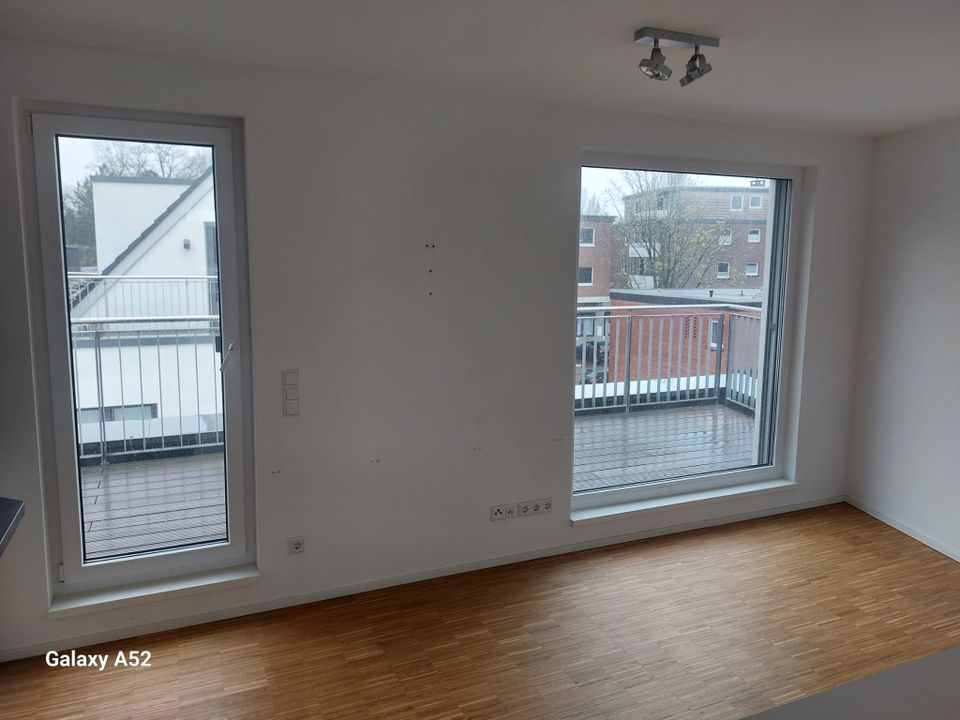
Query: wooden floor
[
  {"x": 716, "y": 623},
  {"x": 647, "y": 445},
  {"x": 152, "y": 505}
]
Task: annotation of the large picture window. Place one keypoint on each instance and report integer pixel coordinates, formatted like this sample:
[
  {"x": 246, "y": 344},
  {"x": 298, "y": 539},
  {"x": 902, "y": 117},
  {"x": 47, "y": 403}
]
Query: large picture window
[{"x": 683, "y": 384}]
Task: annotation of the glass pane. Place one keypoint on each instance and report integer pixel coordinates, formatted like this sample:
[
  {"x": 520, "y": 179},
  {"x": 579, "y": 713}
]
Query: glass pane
[
  {"x": 142, "y": 283},
  {"x": 669, "y": 354}
]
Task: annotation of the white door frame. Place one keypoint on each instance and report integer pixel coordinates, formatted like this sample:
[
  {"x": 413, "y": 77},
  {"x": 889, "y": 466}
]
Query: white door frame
[{"x": 236, "y": 376}]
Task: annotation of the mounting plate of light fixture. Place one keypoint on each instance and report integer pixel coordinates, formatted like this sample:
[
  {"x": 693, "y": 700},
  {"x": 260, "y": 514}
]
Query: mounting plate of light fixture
[
  {"x": 672, "y": 38},
  {"x": 656, "y": 67}
]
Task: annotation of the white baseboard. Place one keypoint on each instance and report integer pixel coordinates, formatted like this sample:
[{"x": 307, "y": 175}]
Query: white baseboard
[
  {"x": 293, "y": 600},
  {"x": 931, "y": 542}
]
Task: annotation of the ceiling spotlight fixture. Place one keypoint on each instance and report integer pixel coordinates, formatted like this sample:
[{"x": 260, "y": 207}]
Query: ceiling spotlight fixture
[
  {"x": 697, "y": 67},
  {"x": 656, "y": 67}
]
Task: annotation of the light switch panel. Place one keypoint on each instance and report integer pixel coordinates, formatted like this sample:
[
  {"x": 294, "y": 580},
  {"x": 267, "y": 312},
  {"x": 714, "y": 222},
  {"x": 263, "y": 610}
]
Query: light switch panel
[{"x": 291, "y": 392}]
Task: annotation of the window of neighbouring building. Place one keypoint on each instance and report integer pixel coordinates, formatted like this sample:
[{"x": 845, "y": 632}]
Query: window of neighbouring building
[{"x": 634, "y": 266}]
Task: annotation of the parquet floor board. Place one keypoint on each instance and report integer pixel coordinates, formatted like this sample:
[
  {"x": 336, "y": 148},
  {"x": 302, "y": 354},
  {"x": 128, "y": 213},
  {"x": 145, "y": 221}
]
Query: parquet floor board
[{"x": 718, "y": 623}]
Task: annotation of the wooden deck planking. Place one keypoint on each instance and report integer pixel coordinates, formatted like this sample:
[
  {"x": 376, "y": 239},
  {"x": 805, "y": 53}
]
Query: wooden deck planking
[
  {"x": 649, "y": 445},
  {"x": 715, "y": 624},
  {"x": 154, "y": 504}
]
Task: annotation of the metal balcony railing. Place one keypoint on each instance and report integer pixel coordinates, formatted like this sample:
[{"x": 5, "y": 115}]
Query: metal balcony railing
[
  {"x": 147, "y": 386},
  {"x": 141, "y": 295},
  {"x": 643, "y": 356}
]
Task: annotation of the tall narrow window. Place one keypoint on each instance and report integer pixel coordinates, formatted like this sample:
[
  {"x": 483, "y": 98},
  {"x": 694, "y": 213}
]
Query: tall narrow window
[
  {"x": 139, "y": 240},
  {"x": 682, "y": 384}
]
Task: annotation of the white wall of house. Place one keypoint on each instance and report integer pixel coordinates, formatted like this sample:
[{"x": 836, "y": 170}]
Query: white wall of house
[
  {"x": 124, "y": 209},
  {"x": 168, "y": 255},
  {"x": 179, "y": 374},
  {"x": 345, "y": 178},
  {"x": 904, "y": 456},
  {"x": 175, "y": 249}
]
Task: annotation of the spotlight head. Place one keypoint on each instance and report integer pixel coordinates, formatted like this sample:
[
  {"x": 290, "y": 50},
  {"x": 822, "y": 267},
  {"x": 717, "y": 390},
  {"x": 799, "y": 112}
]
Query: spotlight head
[
  {"x": 656, "y": 67},
  {"x": 697, "y": 67}
]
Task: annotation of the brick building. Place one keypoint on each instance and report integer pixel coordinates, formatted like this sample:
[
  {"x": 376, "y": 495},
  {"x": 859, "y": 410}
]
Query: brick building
[
  {"x": 597, "y": 252},
  {"x": 742, "y": 213}
]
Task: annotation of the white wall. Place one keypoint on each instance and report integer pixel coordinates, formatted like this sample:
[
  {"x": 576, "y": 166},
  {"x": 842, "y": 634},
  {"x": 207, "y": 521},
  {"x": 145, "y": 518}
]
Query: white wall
[
  {"x": 904, "y": 463},
  {"x": 123, "y": 210},
  {"x": 346, "y": 180}
]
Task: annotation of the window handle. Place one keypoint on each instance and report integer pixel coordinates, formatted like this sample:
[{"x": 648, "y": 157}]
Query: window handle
[{"x": 231, "y": 346}]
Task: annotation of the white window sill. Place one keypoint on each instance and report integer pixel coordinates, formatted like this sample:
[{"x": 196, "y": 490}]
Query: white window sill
[
  {"x": 618, "y": 511},
  {"x": 154, "y": 590}
]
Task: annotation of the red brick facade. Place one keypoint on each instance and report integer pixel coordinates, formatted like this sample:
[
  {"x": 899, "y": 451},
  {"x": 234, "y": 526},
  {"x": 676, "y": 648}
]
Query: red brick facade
[{"x": 599, "y": 256}]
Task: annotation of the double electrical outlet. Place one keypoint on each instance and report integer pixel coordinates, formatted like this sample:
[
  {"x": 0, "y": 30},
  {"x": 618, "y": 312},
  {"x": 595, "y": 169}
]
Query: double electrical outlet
[{"x": 524, "y": 508}]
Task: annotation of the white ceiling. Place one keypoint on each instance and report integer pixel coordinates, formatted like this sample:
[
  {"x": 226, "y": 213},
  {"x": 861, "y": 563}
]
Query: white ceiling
[{"x": 861, "y": 66}]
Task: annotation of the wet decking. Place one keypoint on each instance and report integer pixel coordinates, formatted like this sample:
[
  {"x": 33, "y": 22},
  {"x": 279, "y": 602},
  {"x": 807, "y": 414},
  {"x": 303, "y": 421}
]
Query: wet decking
[
  {"x": 649, "y": 445},
  {"x": 153, "y": 505},
  {"x": 174, "y": 502}
]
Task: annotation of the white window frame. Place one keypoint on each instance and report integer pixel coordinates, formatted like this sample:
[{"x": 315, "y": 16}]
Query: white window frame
[
  {"x": 726, "y": 238},
  {"x": 756, "y": 269},
  {"x": 41, "y": 197},
  {"x": 593, "y": 237},
  {"x": 736, "y": 209},
  {"x": 754, "y": 233},
  {"x": 759, "y": 199},
  {"x": 585, "y": 284},
  {"x": 723, "y": 274},
  {"x": 620, "y": 502}
]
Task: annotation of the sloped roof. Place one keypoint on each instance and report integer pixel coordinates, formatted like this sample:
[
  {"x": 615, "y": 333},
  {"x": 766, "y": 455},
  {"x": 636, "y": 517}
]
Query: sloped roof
[{"x": 156, "y": 223}]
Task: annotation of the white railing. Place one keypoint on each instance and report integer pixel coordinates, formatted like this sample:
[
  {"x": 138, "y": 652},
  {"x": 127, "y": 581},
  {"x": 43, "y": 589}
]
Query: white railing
[
  {"x": 640, "y": 356},
  {"x": 111, "y": 296},
  {"x": 146, "y": 386}
]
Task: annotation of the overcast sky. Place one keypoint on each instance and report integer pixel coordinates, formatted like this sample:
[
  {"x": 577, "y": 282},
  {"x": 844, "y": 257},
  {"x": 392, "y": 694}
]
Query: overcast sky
[
  {"x": 76, "y": 160},
  {"x": 597, "y": 181}
]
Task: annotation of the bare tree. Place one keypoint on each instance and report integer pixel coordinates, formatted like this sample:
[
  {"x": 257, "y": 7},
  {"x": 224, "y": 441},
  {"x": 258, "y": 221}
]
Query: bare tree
[
  {"x": 590, "y": 204},
  {"x": 139, "y": 159},
  {"x": 664, "y": 224}
]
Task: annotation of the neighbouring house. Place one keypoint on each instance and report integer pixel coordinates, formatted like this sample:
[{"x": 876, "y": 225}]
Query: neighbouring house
[
  {"x": 736, "y": 218},
  {"x": 146, "y": 324}
]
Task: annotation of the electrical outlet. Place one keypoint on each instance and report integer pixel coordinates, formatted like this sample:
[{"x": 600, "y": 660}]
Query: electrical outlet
[
  {"x": 295, "y": 545},
  {"x": 510, "y": 511},
  {"x": 503, "y": 512},
  {"x": 526, "y": 508},
  {"x": 543, "y": 505}
]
